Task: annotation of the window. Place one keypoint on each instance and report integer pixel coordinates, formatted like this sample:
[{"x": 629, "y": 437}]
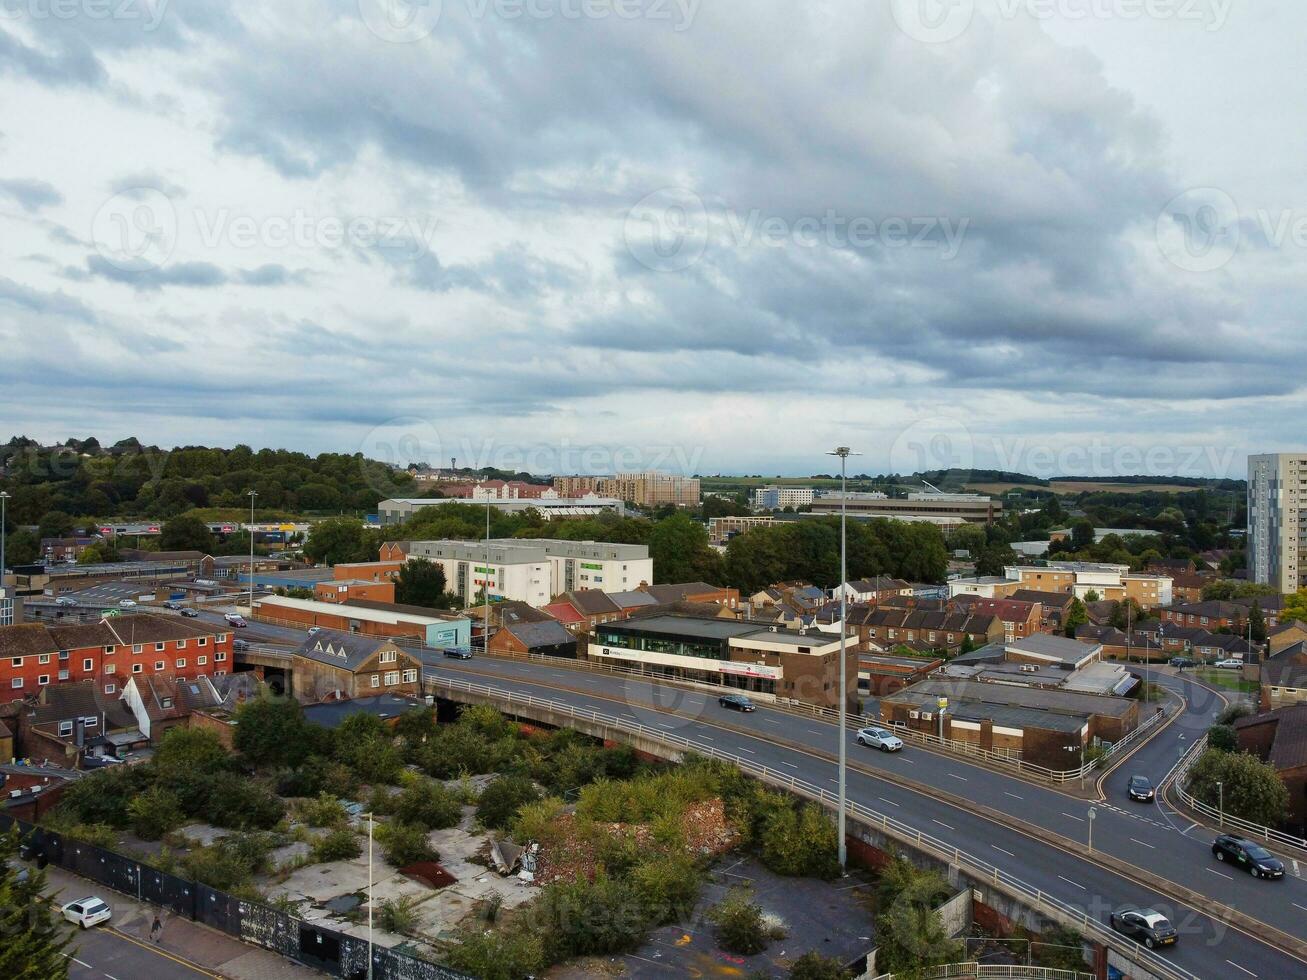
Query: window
[
  {"x": 138, "y": 647},
  {"x": 181, "y": 644},
  {"x": 376, "y": 680},
  {"x": 203, "y": 641},
  {"x": 88, "y": 664},
  {"x": 43, "y": 679},
  {"x": 90, "y": 721},
  {"x": 63, "y": 654},
  {"x": 392, "y": 677},
  {"x": 110, "y": 688},
  {"x": 221, "y": 638},
  {"x": 219, "y": 673},
  {"x": 65, "y": 728},
  {"x": 108, "y": 668},
  {"x": 15, "y": 661},
  {"x": 201, "y": 660},
  {"x": 44, "y": 658},
  {"x": 16, "y": 683},
  {"x": 181, "y": 662},
  {"x": 159, "y": 665},
  {"x": 219, "y": 657},
  {"x": 159, "y": 647},
  {"x": 410, "y": 676},
  {"x": 387, "y": 656},
  {"x": 108, "y": 650},
  {"x": 63, "y": 675},
  {"x": 137, "y": 668}
]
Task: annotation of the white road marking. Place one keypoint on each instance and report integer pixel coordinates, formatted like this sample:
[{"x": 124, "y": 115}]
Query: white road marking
[
  {"x": 790, "y": 764},
  {"x": 1221, "y": 873},
  {"x": 956, "y": 776},
  {"x": 997, "y": 848},
  {"x": 750, "y": 751},
  {"x": 1013, "y": 795},
  {"x": 890, "y": 802},
  {"x": 1076, "y": 883},
  {"x": 1297, "y": 906},
  {"x": 1238, "y": 967},
  {"x": 1073, "y": 817},
  {"x": 813, "y": 731},
  {"x": 943, "y": 824},
  {"x": 1138, "y": 841}
]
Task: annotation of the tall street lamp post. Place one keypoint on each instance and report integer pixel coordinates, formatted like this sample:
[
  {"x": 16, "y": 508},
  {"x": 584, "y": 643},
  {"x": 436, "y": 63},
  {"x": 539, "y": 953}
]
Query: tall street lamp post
[
  {"x": 843, "y": 452},
  {"x": 4, "y": 495},
  {"x": 252, "y": 495}
]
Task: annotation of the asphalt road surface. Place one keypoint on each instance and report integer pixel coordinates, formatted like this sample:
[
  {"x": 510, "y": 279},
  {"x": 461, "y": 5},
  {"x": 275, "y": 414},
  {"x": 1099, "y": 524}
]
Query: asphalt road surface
[{"x": 101, "y": 954}]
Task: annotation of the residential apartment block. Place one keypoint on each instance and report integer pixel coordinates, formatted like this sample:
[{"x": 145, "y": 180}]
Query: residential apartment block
[
  {"x": 1277, "y": 496},
  {"x": 34, "y": 656},
  {"x": 780, "y": 497},
  {"x": 534, "y": 570},
  {"x": 1077, "y": 578},
  {"x": 722, "y": 529},
  {"x": 399, "y": 509},
  {"x": 649, "y": 489}
]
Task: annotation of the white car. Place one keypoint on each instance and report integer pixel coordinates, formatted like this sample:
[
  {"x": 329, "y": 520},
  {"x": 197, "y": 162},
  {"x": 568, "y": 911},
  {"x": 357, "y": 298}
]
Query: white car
[
  {"x": 313, "y": 629},
  {"x": 126, "y": 603},
  {"x": 1229, "y": 664},
  {"x": 87, "y": 912},
  {"x": 880, "y": 738},
  {"x": 65, "y": 600}
]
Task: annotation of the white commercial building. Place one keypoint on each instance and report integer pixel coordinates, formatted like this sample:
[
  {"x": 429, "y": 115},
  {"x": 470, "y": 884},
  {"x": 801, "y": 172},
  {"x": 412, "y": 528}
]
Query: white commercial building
[
  {"x": 1277, "y": 493},
  {"x": 400, "y": 509},
  {"x": 535, "y": 570},
  {"x": 778, "y": 498}
]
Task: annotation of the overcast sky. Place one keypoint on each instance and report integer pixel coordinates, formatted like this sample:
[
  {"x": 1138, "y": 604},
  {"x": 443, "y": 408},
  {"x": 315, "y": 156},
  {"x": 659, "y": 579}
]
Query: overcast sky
[{"x": 1055, "y": 236}]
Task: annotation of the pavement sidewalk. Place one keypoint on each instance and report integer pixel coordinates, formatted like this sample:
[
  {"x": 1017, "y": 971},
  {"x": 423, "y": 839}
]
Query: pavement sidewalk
[{"x": 196, "y": 944}]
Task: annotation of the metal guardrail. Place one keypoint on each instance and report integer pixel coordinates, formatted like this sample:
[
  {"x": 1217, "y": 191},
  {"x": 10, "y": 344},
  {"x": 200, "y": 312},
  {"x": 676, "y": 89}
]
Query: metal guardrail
[
  {"x": 1225, "y": 820},
  {"x": 985, "y": 971},
  {"x": 1046, "y": 904}
]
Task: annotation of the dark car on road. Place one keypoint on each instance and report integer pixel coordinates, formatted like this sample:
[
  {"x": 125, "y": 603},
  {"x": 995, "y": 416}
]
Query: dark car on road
[
  {"x": 1249, "y": 855},
  {"x": 1140, "y": 788},
  {"x": 1147, "y": 926},
  {"x": 458, "y": 653},
  {"x": 190, "y": 613},
  {"x": 1183, "y": 662},
  {"x": 737, "y": 702}
]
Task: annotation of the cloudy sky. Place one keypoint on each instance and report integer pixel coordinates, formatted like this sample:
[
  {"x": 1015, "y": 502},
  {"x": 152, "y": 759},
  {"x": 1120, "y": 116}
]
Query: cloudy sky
[{"x": 1056, "y": 236}]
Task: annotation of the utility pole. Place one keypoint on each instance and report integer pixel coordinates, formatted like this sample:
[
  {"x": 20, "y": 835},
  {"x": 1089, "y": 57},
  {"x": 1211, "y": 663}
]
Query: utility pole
[
  {"x": 485, "y": 586},
  {"x": 4, "y": 495},
  {"x": 369, "y": 896},
  {"x": 252, "y": 495},
  {"x": 843, "y": 452}
]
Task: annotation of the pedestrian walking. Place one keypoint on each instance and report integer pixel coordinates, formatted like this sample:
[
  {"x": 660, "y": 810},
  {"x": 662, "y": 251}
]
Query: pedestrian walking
[{"x": 156, "y": 930}]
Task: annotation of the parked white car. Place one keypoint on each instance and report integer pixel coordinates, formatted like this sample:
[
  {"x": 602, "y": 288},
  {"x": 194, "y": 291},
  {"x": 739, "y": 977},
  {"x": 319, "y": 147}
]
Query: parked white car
[
  {"x": 65, "y": 600},
  {"x": 1229, "y": 664},
  {"x": 126, "y": 603},
  {"x": 880, "y": 738},
  {"x": 87, "y": 912}
]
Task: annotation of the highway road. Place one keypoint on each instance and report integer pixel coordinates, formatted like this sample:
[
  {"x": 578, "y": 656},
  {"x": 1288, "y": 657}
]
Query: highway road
[
  {"x": 1149, "y": 836},
  {"x": 102, "y": 954}
]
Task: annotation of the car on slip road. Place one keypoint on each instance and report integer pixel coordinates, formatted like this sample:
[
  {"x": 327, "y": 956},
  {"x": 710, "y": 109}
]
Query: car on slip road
[
  {"x": 880, "y": 738},
  {"x": 1249, "y": 855},
  {"x": 736, "y": 702},
  {"x": 1140, "y": 788}
]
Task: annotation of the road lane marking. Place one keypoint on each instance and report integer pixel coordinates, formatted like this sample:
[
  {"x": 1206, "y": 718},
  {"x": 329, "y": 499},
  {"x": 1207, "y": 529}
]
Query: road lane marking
[
  {"x": 1238, "y": 967},
  {"x": 997, "y": 848},
  {"x": 890, "y": 802},
  {"x": 1297, "y": 906},
  {"x": 956, "y": 776},
  {"x": 790, "y": 764},
  {"x": 813, "y": 731},
  {"x": 1073, "y": 817},
  {"x": 1138, "y": 841},
  {"x": 943, "y": 824},
  {"x": 1076, "y": 883},
  {"x": 1013, "y": 795},
  {"x": 1221, "y": 873}
]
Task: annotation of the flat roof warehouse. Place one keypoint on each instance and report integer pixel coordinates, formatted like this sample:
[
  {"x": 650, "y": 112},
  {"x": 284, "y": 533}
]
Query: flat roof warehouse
[{"x": 717, "y": 629}]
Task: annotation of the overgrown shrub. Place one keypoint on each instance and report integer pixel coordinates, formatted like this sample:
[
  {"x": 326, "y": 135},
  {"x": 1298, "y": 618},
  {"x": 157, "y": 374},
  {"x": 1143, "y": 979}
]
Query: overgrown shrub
[
  {"x": 501, "y": 954},
  {"x": 814, "y": 966},
  {"x": 428, "y": 805},
  {"x": 154, "y": 813},
  {"x": 404, "y": 843},
  {"x": 668, "y": 886},
  {"x": 230, "y": 863},
  {"x": 590, "y": 918},
  {"x": 337, "y": 845},
  {"x": 1222, "y": 738},
  {"x": 398, "y": 915},
  {"x": 802, "y": 842},
  {"x": 242, "y": 803},
  {"x": 499, "y": 802},
  {"x": 323, "y": 811},
  {"x": 740, "y": 926}
]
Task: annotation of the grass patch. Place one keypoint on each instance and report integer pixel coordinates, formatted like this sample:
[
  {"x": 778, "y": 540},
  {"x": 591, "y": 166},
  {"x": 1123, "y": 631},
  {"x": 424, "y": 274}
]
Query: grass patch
[{"x": 1231, "y": 680}]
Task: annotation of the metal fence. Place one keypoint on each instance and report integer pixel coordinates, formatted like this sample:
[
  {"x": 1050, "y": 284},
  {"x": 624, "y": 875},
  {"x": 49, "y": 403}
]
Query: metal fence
[
  {"x": 985, "y": 971},
  {"x": 312, "y": 944},
  {"x": 1035, "y": 898},
  {"x": 1223, "y": 819}
]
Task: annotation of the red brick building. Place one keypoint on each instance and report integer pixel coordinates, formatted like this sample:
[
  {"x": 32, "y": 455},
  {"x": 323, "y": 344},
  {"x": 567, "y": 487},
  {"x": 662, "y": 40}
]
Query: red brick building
[
  {"x": 347, "y": 590},
  {"x": 1019, "y": 618},
  {"x": 34, "y": 656}
]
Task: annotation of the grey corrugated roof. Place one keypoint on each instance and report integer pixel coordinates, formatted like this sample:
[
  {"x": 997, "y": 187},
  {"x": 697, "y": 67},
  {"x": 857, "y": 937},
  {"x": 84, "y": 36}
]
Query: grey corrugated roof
[
  {"x": 1063, "y": 648},
  {"x": 340, "y": 649},
  {"x": 545, "y": 634}
]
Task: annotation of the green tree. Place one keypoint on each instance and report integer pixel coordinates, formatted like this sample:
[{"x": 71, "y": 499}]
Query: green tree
[
  {"x": 800, "y": 842},
  {"x": 22, "y": 548},
  {"x": 501, "y": 954},
  {"x": 422, "y": 583},
  {"x": 1082, "y": 534},
  {"x": 271, "y": 731},
  {"x": 55, "y": 524},
  {"x": 910, "y": 931},
  {"x": 680, "y": 551},
  {"x": 1076, "y": 616},
  {"x": 499, "y": 802},
  {"x": 1257, "y": 623},
  {"x": 1092, "y": 596},
  {"x": 740, "y": 926},
  {"x": 813, "y": 966},
  {"x": 994, "y": 558},
  {"x": 154, "y": 813},
  {"x": 1252, "y": 789},
  {"x": 35, "y": 943},
  {"x": 340, "y": 540},
  {"x": 1222, "y": 738},
  {"x": 404, "y": 843},
  {"x": 186, "y": 533}
]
